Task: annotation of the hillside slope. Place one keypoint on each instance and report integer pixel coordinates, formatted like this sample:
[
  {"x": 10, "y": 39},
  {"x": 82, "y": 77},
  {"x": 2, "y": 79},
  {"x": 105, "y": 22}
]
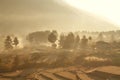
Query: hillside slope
[{"x": 30, "y": 15}]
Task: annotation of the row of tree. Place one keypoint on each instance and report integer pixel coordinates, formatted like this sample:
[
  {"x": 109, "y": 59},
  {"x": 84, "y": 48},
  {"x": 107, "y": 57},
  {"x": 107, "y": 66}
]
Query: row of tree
[
  {"x": 9, "y": 43},
  {"x": 73, "y": 40},
  {"x": 69, "y": 41}
]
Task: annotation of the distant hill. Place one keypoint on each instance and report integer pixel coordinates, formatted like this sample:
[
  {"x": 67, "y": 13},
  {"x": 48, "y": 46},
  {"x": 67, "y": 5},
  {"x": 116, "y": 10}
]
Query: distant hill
[{"x": 23, "y": 16}]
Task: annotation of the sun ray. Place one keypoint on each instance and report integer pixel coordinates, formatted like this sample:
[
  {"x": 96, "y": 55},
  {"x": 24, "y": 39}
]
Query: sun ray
[{"x": 106, "y": 8}]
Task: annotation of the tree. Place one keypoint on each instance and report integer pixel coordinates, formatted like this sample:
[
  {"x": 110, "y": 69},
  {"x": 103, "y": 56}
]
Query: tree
[
  {"x": 8, "y": 43},
  {"x": 84, "y": 42},
  {"x": 16, "y": 42},
  {"x": 90, "y": 38},
  {"x": 36, "y": 38},
  {"x": 100, "y": 37},
  {"x": 62, "y": 40},
  {"x": 77, "y": 41},
  {"x": 52, "y": 37},
  {"x": 55, "y": 32},
  {"x": 69, "y": 41}
]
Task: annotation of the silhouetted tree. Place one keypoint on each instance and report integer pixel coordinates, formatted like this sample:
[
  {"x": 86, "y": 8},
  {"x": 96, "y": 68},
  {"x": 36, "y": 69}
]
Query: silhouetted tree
[
  {"x": 100, "y": 37},
  {"x": 90, "y": 38},
  {"x": 62, "y": 40},
  {"x": 84, "y": 42},
  {"x": 16, "y": 41},
  {"x": 55, "y": 32},
  {"x": 52, "y": 38},
  {"x": 8, "y": 43},
  {"x": 77, "y": 41},
  {"x": 69, "y": 41},
  {"x": 36, "y": 38}
]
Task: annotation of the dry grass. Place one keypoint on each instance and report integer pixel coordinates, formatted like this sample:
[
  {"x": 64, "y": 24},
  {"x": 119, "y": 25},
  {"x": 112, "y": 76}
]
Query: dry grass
[{"x": 50, "y": 58}]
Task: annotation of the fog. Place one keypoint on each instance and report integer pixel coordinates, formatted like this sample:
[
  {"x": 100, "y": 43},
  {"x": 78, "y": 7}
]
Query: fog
[
  {"x": 24, "y": 16},
  {"x": 51, "y": 40}
]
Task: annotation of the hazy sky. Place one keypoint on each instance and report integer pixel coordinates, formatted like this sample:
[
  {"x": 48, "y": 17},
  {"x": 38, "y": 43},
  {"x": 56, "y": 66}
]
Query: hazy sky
[
  {"x": 105, "y": 8},
  {"x": 31, "y": 15}
]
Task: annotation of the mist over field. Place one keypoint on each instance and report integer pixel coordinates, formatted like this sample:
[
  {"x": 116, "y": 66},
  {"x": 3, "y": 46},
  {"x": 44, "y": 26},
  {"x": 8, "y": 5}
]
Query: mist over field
[{"x": 53, "y": 40}]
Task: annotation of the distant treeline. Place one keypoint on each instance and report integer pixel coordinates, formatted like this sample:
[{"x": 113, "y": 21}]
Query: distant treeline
[
  {"x": 76, "y": 40},
  {"x": 69, "y": 40}
]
